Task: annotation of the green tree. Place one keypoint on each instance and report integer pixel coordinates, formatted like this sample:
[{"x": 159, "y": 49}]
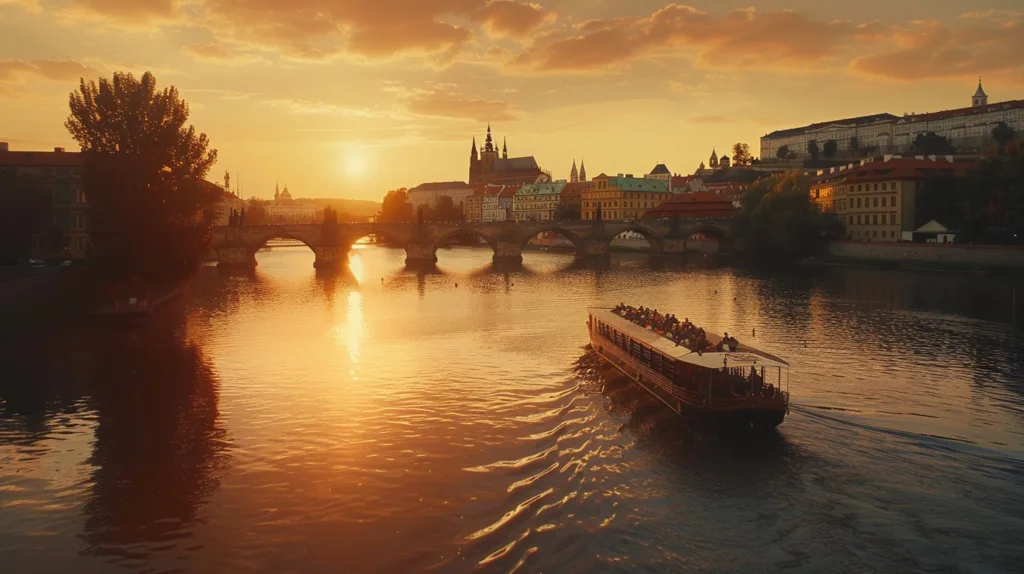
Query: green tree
[
  {"x": 782, "y": 152},
  {"x": 830, "y": 148},
  {"x": 854, "y": 144},
  {"x": 1003, "y": 134},
  {"x": 778, "y": 220},
  {"x": 812, "y": 148},
  {"x": 741, "y": 154},
  {"x": 942, "y": 199},
  {"x": 144, "y": 171},
  {"x": 396, "y": 207},
  {"x": 931, "y": 143},
  {"x": 25, "y": 210},
  {"x": 568, "y": 211}
]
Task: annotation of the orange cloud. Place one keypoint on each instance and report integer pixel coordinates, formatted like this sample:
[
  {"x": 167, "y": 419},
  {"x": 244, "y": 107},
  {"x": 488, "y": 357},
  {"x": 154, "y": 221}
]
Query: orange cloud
[
  {"x": 445, "y": 104},
  {"x": 129, "y": 10},
  {"x": 979, "y": 43},
  {"x": 54, "y": 70},
  {"x": 512, "y": 18},
  {"x": 217, "y": 51},
  {"x": 372, "y": 28},
  {"x": 30, "y": 5},
  {"x": 742, "y": 38}
]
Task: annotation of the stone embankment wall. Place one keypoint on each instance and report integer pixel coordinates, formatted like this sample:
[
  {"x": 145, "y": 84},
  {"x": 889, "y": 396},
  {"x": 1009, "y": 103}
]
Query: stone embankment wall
[{"x": 978, "y": 256}]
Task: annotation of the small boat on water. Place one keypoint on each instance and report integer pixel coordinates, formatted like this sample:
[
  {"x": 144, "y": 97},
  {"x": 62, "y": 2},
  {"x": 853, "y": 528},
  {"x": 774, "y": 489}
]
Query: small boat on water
[{"x": 731, "y": 387}]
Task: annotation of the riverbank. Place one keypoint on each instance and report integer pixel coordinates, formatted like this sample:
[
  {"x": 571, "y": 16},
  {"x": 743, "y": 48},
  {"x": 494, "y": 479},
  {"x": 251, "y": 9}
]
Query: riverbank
[
  {"x": 985, "y": 259},
  {"x": 35, "y": 297}
]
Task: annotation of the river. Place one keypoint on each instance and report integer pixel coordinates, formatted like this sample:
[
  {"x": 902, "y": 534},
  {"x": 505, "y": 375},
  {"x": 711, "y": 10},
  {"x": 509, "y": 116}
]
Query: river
[{"x": 384, "y": 420}]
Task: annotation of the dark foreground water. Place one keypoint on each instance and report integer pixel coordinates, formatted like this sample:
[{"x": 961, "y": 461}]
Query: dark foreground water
[{"x": 382, "y": 420}]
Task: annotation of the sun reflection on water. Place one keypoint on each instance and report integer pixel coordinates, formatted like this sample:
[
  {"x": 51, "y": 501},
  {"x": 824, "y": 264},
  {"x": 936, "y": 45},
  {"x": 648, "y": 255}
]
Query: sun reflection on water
[{"x": 352, "y": 332}]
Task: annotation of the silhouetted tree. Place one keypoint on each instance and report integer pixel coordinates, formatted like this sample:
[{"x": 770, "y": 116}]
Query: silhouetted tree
[
  {"x": 812, "y": 148},
  {"x": 741, "y": 154},
  {"x": 931, "y": 143},
  {"x": 1003, "y": 134},
  {"x": 396, "y": 207},
  {"x": 782, "y": 152},
  {"x": 854, "y": 144},
  {"x": 444, "y": 210},
  {"x": 256, "y": 213},
  {"x": 144, "y": 171},
  {"x": 830, "y": 148}
]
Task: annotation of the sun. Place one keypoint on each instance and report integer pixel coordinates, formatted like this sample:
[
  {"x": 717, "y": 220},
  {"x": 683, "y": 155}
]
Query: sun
[{"x": 355, "y": 162}]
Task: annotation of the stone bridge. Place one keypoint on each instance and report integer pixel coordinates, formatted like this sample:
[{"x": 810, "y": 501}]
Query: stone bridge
[{"x": 237, "y": 246}]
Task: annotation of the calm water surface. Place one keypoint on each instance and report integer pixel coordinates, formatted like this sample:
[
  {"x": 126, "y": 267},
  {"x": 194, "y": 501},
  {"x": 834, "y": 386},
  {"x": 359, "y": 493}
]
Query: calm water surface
[{"x": 381, "y": 420}]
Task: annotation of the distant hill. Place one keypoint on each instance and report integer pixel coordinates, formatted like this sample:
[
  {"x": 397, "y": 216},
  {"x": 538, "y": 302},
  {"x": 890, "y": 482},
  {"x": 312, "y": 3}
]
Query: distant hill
[{"x": 357, "y": 207}]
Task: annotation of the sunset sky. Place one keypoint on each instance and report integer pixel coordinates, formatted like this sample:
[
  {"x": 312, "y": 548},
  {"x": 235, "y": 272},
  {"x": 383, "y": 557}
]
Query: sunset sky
[{"x": 350, "y": 98}]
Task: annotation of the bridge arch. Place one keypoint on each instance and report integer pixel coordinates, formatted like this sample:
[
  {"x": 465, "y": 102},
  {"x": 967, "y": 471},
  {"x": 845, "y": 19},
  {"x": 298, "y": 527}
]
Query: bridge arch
[
  {"x": 708, "y": 238},
  {"x": 655, "y": 240},
  {"x": 576, "y": 240},
  {"x": 458, "y": 232}
]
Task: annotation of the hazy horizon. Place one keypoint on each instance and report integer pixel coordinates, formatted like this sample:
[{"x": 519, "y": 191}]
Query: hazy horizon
[{"x": 347, "y": 99}]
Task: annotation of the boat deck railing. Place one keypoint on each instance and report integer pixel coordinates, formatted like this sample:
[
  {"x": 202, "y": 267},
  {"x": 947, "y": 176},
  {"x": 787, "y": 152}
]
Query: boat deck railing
[{"x": 647, "y": 375}]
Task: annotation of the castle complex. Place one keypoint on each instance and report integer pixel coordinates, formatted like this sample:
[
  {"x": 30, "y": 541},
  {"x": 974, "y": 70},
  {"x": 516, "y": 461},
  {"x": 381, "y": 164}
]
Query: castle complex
[{"x": 967, "y": 129}]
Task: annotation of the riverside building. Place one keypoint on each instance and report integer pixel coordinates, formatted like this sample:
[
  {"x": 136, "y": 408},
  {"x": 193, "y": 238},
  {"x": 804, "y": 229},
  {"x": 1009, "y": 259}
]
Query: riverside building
[{"x": 877, "y": 200}]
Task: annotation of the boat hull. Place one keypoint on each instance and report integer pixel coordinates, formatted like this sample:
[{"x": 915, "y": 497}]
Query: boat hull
[{"x": 725, "y": 415}]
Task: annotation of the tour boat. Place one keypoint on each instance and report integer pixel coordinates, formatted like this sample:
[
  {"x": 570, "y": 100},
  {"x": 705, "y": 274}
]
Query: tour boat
[{"x": 731, "y": 388}]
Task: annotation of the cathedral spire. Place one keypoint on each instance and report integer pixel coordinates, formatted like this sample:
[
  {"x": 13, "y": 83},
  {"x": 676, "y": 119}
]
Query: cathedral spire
[
  {"x": 504, "y": 148},
  {"x": 583, "y": 171},
  {"x": 574, "y": 174},
  {"x": 488, "y": 143},
  {"x": 472, "y": 151}
]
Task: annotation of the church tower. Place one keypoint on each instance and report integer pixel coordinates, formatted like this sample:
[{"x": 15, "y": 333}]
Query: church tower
[
  {"x": 583, "y": 171},
  {"x": 574, "y": 175},
  {"x": 980, "y": 97},
  {"x": 713, "y": 163},
  {"x": 504, "y": 148},
  {"x": 277, "y": 193}
]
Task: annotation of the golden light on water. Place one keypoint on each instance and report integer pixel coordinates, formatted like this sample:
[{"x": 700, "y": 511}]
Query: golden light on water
[{"x": 352, "y": 331}]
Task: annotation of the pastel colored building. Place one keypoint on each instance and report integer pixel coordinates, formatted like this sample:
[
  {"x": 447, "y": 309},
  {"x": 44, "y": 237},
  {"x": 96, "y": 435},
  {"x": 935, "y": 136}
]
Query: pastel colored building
[
  {"x": 622, "y": 197},
  {"x": 537, "y": 202}
]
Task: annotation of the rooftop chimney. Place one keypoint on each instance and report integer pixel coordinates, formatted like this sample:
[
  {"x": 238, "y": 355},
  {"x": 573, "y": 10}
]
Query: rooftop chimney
[
  {"x": 58, "y": 149},
  {"x": 3, "y": 146}
]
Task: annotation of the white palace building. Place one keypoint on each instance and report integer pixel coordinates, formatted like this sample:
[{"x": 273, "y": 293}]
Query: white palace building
[{"x": 966, "y": 129}]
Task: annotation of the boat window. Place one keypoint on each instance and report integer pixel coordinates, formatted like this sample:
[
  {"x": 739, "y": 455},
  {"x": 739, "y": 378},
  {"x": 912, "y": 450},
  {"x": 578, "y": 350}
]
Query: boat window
[
  {"x": 657, "y": 361},
  {"x": 668, "y": 368},
  {"x": 646, "y": 355}
]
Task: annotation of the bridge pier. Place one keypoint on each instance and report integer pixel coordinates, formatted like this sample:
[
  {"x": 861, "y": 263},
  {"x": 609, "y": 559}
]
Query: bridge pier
[
  {"x": 235, "y": 257},
  {"x": 420, "y": 254},
  {"x": 592, "y": 249},
  {"x": 673, "y": 246},
  {"x": 507, "y": 252},
  {"x": 330, "y": 256}
]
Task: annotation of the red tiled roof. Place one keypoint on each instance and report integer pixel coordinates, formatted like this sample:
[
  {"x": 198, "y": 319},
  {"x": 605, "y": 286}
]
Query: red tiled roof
[
  {"x": 974, "y": 110},
  {"x": 508, "y": 191},
  {"x": 689, "y": 207},
  {"x": 41, "y": 158},
  {"x": 901, "y": 168}
]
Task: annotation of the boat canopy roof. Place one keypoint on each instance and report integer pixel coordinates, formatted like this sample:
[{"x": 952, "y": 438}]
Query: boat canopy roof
[{"x": 743, "y": 356}]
